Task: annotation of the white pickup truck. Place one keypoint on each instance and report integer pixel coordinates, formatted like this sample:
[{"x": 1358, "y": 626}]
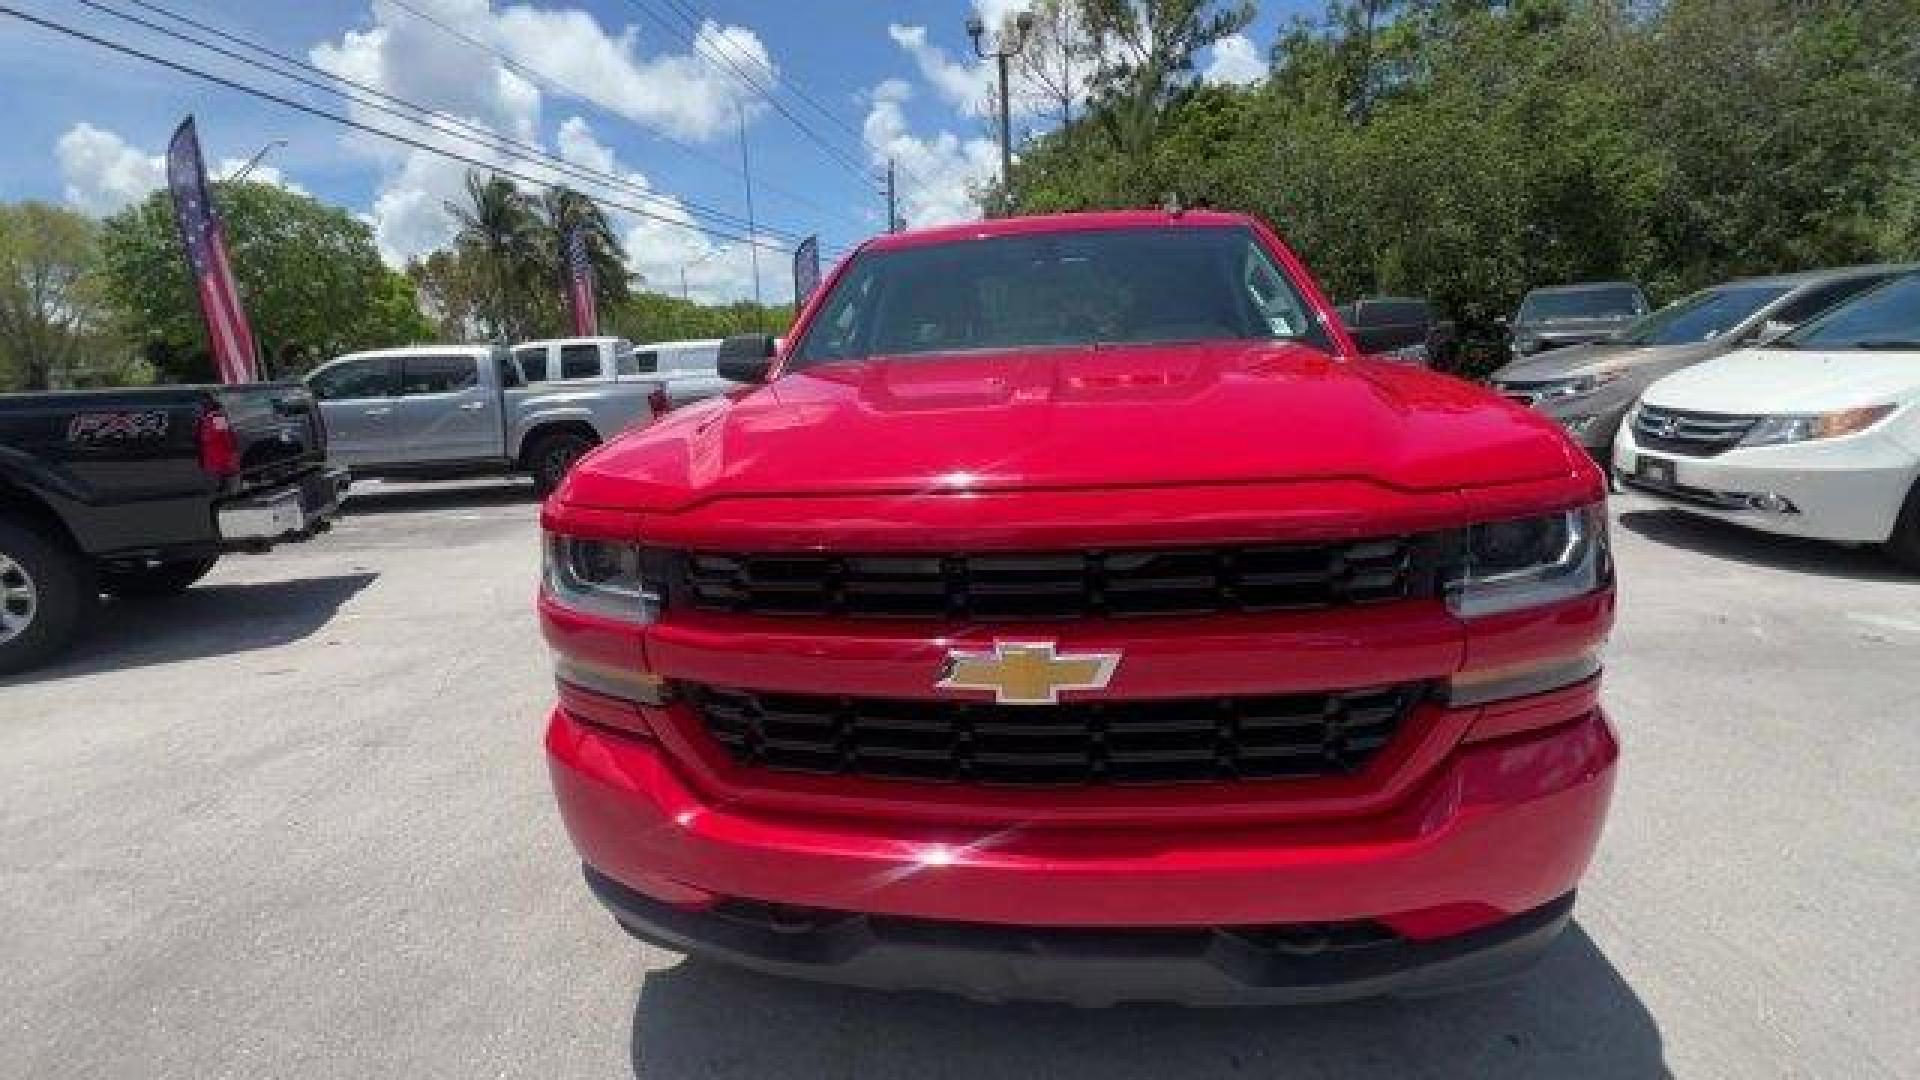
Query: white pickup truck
[{"x": 446, "y": 411}]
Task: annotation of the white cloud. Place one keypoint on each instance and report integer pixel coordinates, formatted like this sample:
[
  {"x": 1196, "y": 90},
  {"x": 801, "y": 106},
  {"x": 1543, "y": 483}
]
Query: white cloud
[
  {"x": 551, "y": 53},
  {"x": 967, "y": 85},
  {"x": 678, "y": 93},
  {"x": 940, "y": 171},
  {"x": 1236, "y": 60},
  {"x": 103, "y": 172}
]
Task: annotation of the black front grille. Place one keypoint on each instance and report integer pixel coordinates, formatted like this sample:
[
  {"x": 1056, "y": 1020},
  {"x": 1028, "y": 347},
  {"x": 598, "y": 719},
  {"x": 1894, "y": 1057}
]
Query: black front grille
[
  {"x": 1060, "y": 585},
  {"x": 1692, "y": 434},
  {"x": 1291, "y": 736}
]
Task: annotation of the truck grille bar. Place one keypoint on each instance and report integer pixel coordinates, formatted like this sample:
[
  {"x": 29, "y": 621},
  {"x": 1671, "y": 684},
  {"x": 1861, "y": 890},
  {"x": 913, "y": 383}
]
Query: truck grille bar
[
  {"x": 1292, "y": 736},
  {"x": 1059, "y": 585}
]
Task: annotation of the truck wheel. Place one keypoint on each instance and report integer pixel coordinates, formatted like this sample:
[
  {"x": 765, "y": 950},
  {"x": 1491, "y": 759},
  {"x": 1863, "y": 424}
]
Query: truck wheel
[
  {"x": 170, "y": 578},
  {"x": 46, "y": 592},
  {"x": 552, "y": 456},
  {"x": 1904, "y": 544}
]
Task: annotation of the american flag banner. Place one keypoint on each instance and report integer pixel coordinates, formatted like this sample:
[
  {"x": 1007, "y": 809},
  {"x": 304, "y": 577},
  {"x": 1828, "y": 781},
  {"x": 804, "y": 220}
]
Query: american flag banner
[
  {"x": 806, "y": 270},
  {"x": 586, "y": 317},
  {"x": 205, "y": 239}
]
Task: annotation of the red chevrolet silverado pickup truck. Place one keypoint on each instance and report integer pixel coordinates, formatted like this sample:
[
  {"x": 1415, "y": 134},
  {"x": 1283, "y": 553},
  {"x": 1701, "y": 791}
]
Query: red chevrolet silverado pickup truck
[{"x": 1068, "y": 611}]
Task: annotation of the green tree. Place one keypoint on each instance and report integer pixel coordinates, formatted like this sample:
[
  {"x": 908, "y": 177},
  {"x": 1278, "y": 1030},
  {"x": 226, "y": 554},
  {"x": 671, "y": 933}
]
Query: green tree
[
  {"x": 1151, "y": 46},
  {"x": 647, "y": 316},
  {"x": 55, "y": 326},
  {"x": 502, "y": 235},
  {"x": 1468, "y": 150},
  {"x": 309, "y": 275},
  {"x": 451, "y": 293}
]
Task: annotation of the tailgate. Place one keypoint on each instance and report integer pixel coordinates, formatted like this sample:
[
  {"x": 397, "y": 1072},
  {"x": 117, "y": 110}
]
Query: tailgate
[{"x": 278, "y": 430}]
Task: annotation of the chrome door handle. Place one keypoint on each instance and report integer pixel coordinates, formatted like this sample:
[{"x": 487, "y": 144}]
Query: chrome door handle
[
  {"x": 473, "y": 406},
  {"x": 379, "y": 411}
]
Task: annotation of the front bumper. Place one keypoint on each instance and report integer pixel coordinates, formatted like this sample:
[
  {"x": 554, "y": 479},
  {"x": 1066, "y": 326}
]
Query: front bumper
[
  {"x": 1849, "y": 489},
  {"x": 1497, "y": 829},
  {"x": 1089, "y": 968},
  {"x": 293, "y": 511}
]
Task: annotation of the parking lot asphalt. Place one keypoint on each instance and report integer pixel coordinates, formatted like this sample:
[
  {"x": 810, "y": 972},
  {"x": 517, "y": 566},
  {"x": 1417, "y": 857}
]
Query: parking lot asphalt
[{"x": 296, "y": 823}]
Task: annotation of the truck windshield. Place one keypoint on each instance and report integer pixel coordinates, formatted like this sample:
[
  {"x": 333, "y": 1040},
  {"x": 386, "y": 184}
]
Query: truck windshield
[
  {"x": 1059, "y": 290},
  {"x": 1602, "y": 303},
  {"x": 1886, "y": 318},
  {"x": 1706, "y": 314}
]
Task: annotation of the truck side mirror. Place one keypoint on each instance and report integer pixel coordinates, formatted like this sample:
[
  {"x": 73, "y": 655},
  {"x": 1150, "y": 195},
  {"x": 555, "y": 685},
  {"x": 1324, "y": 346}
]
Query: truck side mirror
[{"x": 746, "y": 358}]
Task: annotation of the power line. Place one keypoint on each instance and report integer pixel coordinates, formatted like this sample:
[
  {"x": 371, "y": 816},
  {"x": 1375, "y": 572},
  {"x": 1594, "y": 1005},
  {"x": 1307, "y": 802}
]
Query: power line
[
  {"x": 556, "y": 86},
  {"x": 345, "y": 121},
  {"x": 725, "y": 56},
  {"x": 693, "y": 19},
  {"x": 462, "y": 129}
]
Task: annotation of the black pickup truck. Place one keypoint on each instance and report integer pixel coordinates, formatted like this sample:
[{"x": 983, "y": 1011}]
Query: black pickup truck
[{"x": 137, "y": 492}]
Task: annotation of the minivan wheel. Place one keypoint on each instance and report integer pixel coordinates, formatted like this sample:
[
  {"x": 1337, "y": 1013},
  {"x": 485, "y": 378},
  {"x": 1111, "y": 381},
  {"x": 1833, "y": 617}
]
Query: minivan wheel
[
  {"x": 46, "y": 591},
  {"x": 1904, "y": 544},
  {"x": 552, "y": 456}
]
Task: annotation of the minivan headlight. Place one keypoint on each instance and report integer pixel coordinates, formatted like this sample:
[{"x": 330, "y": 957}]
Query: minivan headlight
[
  {"x": 1806, "y": 427},
  {"x": 600, "y": 577},
  {"x": 1527, "y": 562}
]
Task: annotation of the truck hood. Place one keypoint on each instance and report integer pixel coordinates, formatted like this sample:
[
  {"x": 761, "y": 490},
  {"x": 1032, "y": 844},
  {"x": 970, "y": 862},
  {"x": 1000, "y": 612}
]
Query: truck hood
[
  {"x": 1760, "y": 381},
  {"x": 1076, "y": 419}
]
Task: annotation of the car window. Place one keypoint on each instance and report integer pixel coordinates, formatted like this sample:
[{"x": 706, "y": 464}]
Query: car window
[
  {"x": 1820, "y": 298},
  {"x": 1599, "y": 303},
  {"x": 1061, "y": 289},
  {"x": 579, "y": 362},
  {"x": 438, "y": 375},
  {"x": 509, "y": 368},
  {"x": 1392, "y": 312},
  {"x": 1704, "y": 315},
  {"x": 690, "y": 359},
  {"x": 371, "y": 377},
  {"x": 1886, "y": 318},
  {"x": 632, "y": 361},
  {"x": 533, "y": 362}
]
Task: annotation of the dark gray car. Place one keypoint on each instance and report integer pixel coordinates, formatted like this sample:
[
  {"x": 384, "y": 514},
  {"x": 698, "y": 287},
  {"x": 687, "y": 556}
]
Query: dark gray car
[
  {"x": 1557, "y": 316},
  {"x": 1588, "y": 388}
]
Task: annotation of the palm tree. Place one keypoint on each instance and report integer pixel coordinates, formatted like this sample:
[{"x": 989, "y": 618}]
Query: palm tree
[
  {"x": 500, "y": 231},
  {"x": 566, "y": 211}
]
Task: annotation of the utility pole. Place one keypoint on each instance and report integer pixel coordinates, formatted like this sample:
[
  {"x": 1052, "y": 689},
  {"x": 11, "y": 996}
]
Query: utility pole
[
  {"x": 1002, "y": 51},
  {"x": 893, "y": 213},
  {"x": 753, "y": 239}
]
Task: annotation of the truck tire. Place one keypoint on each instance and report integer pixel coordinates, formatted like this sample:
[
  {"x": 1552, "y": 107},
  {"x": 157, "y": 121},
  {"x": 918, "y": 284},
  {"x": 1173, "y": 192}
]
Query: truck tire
[
  {"x": 46, "y": 593},
  {"x": 1904, "y": 544},
  {"x": 552, "y": 456},
  {"x": 154, "y": 579}
]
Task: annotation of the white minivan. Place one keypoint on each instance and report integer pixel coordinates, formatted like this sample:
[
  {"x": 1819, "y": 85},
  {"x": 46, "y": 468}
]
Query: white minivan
[{"x": 1815, "y": 434}]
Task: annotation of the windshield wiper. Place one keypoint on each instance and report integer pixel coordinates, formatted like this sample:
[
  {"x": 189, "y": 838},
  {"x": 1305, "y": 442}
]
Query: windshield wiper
[{"x": 1893, "y": 344}]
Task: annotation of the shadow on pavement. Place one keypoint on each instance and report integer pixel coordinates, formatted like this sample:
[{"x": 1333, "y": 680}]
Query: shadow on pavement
[
  {"x": 207, "y": 620},
  {"x": 1573, "y": 1017},
  {"x": 1678, "y": 529},
  {"x": 366, "y": 499}
]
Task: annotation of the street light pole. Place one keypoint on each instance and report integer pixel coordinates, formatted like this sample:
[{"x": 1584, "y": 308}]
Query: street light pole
[
  {"x": 240, "y": 173},
  {"x": 1002, "y": 52},
  {"x": 753, "y": 239}
]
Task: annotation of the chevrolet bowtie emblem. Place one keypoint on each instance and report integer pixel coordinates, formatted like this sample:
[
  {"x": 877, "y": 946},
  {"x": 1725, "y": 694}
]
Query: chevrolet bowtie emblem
[{"x": 1026, "y": 673}]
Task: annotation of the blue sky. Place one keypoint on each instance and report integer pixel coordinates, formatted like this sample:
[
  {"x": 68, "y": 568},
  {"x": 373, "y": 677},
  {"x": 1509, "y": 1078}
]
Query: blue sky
[{"x": 614, "y": 86}]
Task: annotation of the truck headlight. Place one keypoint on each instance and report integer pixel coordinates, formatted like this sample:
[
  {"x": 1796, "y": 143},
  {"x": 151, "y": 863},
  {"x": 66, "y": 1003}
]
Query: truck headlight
[
  {"x": 1527, "y": 562},
  {"x": 1806, "y": 427},
  {"x": 601, "y": 577}
]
